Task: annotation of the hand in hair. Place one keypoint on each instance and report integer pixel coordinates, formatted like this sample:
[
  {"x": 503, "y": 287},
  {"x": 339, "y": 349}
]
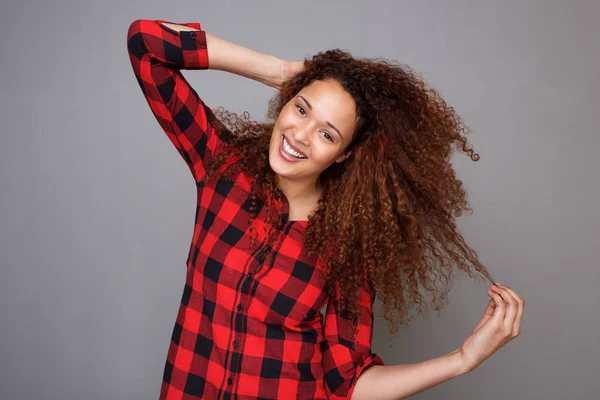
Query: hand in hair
[{"x": 289, "y": 70}]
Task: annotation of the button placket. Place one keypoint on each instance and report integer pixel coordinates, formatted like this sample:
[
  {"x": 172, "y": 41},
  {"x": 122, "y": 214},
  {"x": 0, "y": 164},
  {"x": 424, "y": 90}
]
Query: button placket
[{"x": 239, "y": 307}]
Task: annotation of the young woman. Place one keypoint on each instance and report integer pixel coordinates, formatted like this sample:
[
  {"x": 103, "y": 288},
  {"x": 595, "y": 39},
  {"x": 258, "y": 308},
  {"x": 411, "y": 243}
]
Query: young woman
[{"x": 346, "y": 194}]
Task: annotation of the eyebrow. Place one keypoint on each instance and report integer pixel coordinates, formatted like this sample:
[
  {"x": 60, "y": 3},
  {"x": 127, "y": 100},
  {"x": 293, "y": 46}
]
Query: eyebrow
[{"x": 328, "y": 123}]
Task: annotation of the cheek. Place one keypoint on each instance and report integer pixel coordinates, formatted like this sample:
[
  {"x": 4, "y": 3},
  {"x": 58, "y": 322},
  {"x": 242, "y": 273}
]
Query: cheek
[
  {"x": 286, "y": 119},
  {"x": 324, "y": 154}
]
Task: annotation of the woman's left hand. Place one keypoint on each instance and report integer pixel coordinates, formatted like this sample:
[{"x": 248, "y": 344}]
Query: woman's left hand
[
  {"x": 500, "y": 324},
  {"x": 288, "y": 69}
]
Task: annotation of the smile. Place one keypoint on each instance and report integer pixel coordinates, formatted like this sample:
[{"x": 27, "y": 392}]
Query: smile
[{"x": 291, "y": 151}]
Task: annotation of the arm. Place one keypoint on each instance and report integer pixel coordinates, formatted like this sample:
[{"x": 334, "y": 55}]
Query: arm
[
  {"x": 400, "y": 381},
  {"x": 158, "y": 50},
  {"x": 353, "y": 372},
  {"x": 230, "y": 57},
  {"x": 500, "y": 324}
]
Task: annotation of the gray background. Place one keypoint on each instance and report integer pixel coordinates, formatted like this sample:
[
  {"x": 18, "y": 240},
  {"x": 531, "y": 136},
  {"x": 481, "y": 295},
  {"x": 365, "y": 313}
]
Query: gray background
[{"x": 97, "y": 207}]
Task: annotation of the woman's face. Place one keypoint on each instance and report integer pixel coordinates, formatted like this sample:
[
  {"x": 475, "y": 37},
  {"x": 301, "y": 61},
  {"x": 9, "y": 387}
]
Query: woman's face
[{"x": 317, "y": 124}]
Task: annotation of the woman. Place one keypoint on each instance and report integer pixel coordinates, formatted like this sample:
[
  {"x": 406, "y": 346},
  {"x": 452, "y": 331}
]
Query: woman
[{"x": 348, "y": 195}]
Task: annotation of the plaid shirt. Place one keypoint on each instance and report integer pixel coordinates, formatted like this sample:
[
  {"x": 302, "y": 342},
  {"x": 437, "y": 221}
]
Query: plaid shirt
[{"x": 248, "y": 327}]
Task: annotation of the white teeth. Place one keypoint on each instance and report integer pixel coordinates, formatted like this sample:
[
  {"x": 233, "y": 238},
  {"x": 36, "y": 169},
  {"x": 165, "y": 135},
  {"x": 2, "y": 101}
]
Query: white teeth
[{"x": 291, "y": 151}]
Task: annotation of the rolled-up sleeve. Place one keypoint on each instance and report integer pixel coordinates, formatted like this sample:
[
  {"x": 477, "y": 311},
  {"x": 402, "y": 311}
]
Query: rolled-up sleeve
[{"x": 344, "y": 358}]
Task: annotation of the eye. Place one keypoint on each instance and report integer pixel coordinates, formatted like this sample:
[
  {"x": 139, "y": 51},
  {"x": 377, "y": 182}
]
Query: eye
[
  {"x": 328, "y": 136},
  {"x": 303, "y": 112}
]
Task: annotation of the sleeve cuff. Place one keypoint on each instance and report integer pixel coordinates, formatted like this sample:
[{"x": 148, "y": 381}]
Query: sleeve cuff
[
  {"x": 373, "y": 359},
  {"x": 195, "y": 25},
  {"x": 367, "y": 362},
  {"x": 194, "y": 50}
]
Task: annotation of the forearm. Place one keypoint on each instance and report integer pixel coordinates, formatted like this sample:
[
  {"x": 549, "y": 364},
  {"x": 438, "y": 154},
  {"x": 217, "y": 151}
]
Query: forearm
[
  {"x": 231, "y": 57},
  {"x": 400, "y": 381}
]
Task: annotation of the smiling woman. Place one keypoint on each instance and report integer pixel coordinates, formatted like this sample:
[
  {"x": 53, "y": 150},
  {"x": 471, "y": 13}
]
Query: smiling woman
[
  {"x": 345, "y": 194},
  {"x": 307, "y": 130}
]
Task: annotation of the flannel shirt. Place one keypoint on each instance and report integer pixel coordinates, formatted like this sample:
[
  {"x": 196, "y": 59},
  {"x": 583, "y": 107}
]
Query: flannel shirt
[{"x": 246, "y": 328}]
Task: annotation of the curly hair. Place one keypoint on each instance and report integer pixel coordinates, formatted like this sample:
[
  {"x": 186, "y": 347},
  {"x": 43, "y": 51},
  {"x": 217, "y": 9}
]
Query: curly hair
[{"x": 390, "y": 208}]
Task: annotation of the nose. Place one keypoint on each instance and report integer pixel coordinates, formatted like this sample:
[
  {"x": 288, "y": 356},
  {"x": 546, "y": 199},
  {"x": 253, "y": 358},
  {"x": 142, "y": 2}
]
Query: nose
[{"x": 302, "y": 134}]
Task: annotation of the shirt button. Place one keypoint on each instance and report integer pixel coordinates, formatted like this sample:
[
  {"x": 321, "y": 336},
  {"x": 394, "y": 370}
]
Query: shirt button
[
  {"x": 361, "y": 363},
  {"x": 250, "y": 275},
  {"x": 236, "y": 343},
  {"x": 192, "y": 35},
  {"x": 229, "y": 381},
  {"x": 239, "y": 307}
]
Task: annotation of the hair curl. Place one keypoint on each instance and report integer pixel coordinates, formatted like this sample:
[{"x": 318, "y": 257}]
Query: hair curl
[{"x": 390, "y": 208}]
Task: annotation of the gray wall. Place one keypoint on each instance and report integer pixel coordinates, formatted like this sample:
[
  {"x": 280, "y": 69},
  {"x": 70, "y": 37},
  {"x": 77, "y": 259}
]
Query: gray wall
[{"x": 96, "y": 210}]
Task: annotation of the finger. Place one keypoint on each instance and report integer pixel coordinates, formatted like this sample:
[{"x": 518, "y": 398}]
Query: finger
[
  {"x": 520, "y": 311},
  {"x": 489, "y": 309},
  {"x": 511, "y": 311},
  {"x": 500, "y": 310},
  {"x": 519, "y": 317},
  {"x": 515, "y": 295}
]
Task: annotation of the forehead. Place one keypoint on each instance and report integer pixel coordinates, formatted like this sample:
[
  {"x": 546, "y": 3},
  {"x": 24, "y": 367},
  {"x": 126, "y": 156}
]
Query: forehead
[{"x": 331, "y": 102}]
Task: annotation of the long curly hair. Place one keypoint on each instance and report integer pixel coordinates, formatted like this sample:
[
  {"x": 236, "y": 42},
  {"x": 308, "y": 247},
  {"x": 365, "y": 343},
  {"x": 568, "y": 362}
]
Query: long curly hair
[{"x": 390, "y": 208}]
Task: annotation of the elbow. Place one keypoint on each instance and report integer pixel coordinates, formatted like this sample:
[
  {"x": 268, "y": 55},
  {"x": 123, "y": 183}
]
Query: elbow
[
  {"x": 134, "y": 28},
  {"x": 135, "y": 39}
]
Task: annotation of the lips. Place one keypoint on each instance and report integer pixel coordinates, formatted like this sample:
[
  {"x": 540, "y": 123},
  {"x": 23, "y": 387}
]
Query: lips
[{"x": 297, "y": 150}]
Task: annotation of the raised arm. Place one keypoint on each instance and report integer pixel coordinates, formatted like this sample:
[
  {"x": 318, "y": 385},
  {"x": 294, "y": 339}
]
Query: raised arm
[
  {"x": 230, "y": 57},
  {"x": 158, "y": 50}
]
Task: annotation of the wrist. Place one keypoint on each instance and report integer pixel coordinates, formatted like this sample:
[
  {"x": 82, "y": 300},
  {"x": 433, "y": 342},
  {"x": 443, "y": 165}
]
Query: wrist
[
  {"x": 276, "y": 73},
  {"x": 461, "y": 365}
]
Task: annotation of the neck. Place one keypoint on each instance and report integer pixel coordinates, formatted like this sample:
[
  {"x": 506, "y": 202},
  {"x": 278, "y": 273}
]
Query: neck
[{"x": 297, "y": 191}]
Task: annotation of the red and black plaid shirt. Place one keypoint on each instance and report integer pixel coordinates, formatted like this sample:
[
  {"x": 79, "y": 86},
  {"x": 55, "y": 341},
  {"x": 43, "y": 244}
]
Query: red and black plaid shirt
[{"x": 248, "y": 327}]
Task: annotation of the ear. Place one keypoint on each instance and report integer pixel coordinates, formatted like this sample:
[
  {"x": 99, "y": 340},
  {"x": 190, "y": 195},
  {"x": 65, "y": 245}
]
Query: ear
[{"x": 343, "y": 157}]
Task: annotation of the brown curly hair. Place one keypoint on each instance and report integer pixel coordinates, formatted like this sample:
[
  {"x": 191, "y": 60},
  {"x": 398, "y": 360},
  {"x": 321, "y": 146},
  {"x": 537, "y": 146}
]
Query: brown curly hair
[{"x": 390, "y": 208}]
